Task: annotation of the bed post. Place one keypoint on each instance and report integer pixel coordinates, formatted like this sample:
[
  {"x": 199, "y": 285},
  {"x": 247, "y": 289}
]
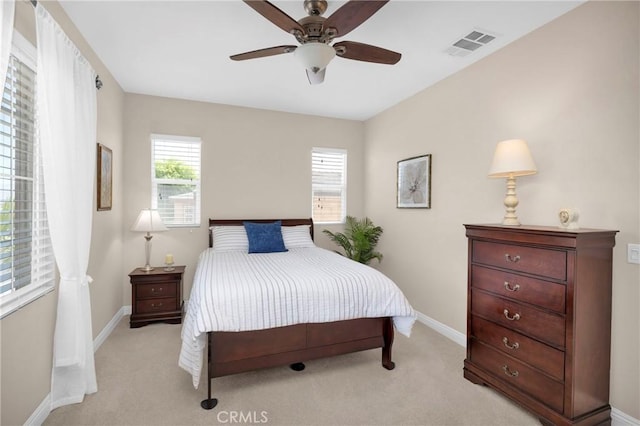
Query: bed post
[
  {"x": 387, "y": 332},
  {"x": 209, "y": 403}
]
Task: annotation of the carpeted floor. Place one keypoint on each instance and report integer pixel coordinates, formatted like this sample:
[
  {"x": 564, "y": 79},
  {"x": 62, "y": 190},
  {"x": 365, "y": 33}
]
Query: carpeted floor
[{"x": 140, "y": 383}]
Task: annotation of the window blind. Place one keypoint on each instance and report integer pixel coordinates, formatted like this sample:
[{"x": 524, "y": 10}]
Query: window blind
[
  {"x": 328, "y": 177},
  {"x": 176, "y": 179},
  {"x": 27, "y": 265}
]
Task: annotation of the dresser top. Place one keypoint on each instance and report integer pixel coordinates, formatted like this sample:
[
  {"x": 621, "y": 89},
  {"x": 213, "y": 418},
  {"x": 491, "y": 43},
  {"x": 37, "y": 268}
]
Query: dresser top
[
  {"x": 544, "y": 235},
  {"x": 538, "y": 228}
]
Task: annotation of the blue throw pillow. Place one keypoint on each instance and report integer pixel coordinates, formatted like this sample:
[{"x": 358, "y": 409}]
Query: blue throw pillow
[{"x": 265, "y": 237}]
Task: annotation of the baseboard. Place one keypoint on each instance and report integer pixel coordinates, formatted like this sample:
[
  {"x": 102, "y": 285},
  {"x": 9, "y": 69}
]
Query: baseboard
[
  {"x": 618, "y": 418},
  {"x": 42, "y": 412},
  {"x": 445, "y": 330},
  {"x": 108, "y": 329}
]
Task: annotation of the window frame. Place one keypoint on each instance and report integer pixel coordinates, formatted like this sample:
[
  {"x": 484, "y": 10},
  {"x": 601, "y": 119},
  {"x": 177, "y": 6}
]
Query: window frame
[
  {"x": 342, "y": 187},
  {"x": 26, "y": 53},
  {"x": 197, "y": 210}
]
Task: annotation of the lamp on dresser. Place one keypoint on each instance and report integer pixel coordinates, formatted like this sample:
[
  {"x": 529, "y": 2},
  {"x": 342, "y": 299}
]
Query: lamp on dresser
[
  {"x": 148, "y": 221},
  {"x": 512, "y": 158}
]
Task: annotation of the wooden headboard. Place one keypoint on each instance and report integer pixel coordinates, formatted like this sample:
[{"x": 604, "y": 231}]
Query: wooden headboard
[{"x": 239, "y": 222}]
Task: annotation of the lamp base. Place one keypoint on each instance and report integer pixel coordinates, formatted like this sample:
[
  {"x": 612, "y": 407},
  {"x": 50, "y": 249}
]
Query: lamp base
[
  {"x": 147, "y": 268},
  {"x": 510, "y": 203},
  {"x": 511, "y": 221}
]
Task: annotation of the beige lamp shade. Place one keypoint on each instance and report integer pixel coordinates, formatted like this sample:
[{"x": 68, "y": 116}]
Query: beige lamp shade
[
  {"x": 512, "y": 158},
  {"x": 149, "y": 221}
]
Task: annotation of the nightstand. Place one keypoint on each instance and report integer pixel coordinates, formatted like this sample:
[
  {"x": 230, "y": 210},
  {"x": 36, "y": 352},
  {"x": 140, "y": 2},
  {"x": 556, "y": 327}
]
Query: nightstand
[{"x": 156, "y": 296}]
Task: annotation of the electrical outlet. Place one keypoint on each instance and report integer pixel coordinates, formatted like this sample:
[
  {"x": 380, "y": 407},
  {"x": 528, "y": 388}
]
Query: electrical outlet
[{"x": 633, "y": 253}]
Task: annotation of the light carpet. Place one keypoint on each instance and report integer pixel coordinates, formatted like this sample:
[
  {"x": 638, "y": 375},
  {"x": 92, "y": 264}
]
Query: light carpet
[{"x": 140, "y": 383}]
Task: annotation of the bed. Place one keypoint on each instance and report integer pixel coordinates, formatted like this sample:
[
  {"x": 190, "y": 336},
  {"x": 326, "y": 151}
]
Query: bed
[{"x": 270, "y": 309}]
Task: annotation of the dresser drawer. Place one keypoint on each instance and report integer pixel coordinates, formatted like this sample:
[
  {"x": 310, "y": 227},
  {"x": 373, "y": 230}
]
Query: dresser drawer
[
  {"x": 517, "y": 374},
  {"x": 530, "y": 351},
  {"x": 533, "y": 322},
  {"x": 156, "y": 290},
  {"x": 538, "y": 261},
  {"x": 519, "y": 287},
  {"x": 148, "y": 306}
]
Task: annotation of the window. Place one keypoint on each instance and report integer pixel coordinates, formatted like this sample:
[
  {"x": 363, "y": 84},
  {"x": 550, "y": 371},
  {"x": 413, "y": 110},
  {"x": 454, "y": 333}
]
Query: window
[
  {"x": 175, "y": 179},
  {"x": 27, "y": 265},
  {"x": 329, "y": 185}
]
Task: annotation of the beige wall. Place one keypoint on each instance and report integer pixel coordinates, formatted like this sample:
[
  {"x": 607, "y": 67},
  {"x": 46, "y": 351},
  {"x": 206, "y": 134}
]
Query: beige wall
[
  {"x": 571, "y": 90},
  {"x": 27, "y": 335},
  {"x": 255, "y": 164}
]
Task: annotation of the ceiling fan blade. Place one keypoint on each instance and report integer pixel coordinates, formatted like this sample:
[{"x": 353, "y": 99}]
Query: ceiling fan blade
[
  {"x": 366, "y": 52},
  {"x": 351, "y": 15},
  {"x": 261, "y": 53},
  {"x": 275, "y": 15},
  {"x": 316, "y": 77}
]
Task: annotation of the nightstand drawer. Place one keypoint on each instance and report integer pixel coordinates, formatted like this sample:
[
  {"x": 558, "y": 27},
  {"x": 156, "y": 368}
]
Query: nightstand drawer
[
  {"x": 538, "y": 261},
  {"x": 519, "y": 346},
  {"x": 517, "y": 374},
  {"x": 156, "y": 305},
  {"x": 156, "y": 290},
  {"x": 519, "y": 287},
  {"x": 533, "y": 322}
]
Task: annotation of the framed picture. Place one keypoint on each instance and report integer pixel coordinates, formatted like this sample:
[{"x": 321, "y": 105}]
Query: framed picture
[
  {"x": 414, "y": 183},
  {"x": 105, "y": 177}
]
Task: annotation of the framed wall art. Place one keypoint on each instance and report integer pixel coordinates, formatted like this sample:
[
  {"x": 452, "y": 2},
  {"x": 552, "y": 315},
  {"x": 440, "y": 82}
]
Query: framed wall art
[
  {"x": 414, "y": 183},
  {"x": 105, "y": 177}
]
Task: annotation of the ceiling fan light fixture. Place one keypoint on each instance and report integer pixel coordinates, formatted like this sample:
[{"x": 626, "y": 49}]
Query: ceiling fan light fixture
[{"x": 314, "y": 56}]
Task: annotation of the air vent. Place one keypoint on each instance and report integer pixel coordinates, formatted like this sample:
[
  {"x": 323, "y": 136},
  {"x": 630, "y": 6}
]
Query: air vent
[{"x": 469, "y": 43}]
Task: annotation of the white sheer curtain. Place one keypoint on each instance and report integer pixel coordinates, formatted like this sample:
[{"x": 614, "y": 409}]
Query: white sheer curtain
[
  {"x": 7, "y": 13},
  {"x": 67, "y": 115}
]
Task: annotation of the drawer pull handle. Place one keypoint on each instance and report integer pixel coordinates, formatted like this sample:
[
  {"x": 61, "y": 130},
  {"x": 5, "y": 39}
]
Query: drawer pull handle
[
  {"x": 508, "y": 286},
  {"x": 515, "y": 316},
  {"x": 510, "y": 258},
  {"x": 508, "y": 371},
  {"x": 154, "y": 306},
  {"x": 153, "y": 290},
  {"x": 515, "y": 345}
]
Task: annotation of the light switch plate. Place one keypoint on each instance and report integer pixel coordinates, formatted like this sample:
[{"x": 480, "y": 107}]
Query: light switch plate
[{"x": 633, "y": 253}]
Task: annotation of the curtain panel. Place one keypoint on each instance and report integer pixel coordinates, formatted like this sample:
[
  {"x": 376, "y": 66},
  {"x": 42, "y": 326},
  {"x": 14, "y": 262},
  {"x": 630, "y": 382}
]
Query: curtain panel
[
  {"x": 67, "y": 115},
  {"x": 7, "y": 14}
]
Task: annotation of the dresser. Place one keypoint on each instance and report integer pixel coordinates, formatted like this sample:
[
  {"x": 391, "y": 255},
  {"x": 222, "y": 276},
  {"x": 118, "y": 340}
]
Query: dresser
[
  {"x": 156, "y": 296},
  {"x": 539, "y": 319}
]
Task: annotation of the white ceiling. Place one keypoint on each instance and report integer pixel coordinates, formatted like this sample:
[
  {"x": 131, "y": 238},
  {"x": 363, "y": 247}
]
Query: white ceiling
[{"x": 181, "y": 49}]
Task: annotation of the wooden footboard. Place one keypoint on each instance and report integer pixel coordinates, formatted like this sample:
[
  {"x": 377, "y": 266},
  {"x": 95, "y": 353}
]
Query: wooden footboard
[{"x": 230, "y": 353}]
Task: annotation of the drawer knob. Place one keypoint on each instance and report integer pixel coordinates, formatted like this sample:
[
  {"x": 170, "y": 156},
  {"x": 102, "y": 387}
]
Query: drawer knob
[
  {"x": 508, "y": 371},
  {"x": 153, "y": 290},
  {"x": 154, "y": 306},
  {"x": 514, "y": 317},
  {"x": 510, "y": 258},
  {"x": 509, "y": 287},
  {"x": 515, "y": 345}
]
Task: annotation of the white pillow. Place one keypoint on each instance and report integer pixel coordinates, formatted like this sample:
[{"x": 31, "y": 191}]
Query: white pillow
[
  {"x": 227, "y": 238},
  {"x": 297, "y": 236}
]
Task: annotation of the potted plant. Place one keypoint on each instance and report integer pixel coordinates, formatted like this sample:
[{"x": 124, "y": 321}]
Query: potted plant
[{"x": 359, "y": 239}]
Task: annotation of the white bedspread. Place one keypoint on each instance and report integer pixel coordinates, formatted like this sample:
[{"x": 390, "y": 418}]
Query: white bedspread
[{"x": 236, "y": 291}]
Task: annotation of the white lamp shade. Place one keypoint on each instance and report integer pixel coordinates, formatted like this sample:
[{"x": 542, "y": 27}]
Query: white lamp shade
[
  {"x": 149, "y": 221},
  {"x": 512, "y": 158},
  {"x": 314, "y": 56}
]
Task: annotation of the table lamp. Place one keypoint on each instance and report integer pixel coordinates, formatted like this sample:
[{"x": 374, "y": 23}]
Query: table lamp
[
  {"x": 511, "y": 158},
  {"x": 148, "y": 221}
]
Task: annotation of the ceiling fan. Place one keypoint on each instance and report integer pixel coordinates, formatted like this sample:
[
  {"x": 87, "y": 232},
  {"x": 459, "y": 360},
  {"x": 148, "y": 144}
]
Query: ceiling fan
[{"x": 315, "y": 33}]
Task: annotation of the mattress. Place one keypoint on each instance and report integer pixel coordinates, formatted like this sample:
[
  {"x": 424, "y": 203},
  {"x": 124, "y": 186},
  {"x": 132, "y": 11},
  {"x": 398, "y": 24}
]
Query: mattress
[{"x": 237, "y": 291}]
